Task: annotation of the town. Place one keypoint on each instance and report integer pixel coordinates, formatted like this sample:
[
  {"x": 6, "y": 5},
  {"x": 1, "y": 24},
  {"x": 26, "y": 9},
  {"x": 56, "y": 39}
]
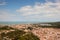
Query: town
[{"x": 44, "y": 31}]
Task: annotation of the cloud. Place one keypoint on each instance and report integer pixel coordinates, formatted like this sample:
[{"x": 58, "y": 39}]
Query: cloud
[
  {"x": 2, "y": 2},
  {"x": 52, "y": 0},
  {"x": 6, "y": 15},
  {"x": 47, "y": 10}
]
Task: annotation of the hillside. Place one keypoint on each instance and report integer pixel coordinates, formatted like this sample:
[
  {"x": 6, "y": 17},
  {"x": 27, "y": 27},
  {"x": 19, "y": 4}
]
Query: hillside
[{"x": 8, "y": 33}]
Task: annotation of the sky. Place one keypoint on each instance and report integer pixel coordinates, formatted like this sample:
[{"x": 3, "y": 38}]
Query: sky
[{"x": 30, "y": 10}]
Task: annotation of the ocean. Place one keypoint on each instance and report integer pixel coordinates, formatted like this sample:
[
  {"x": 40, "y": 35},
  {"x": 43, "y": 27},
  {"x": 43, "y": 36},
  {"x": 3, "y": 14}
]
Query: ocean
[{"x": 16, "y": 22}]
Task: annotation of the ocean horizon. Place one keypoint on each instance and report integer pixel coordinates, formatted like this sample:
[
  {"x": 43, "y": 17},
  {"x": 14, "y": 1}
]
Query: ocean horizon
[
  {"x": 24, "y": 22},
  {"x": 17, "y": 22}
]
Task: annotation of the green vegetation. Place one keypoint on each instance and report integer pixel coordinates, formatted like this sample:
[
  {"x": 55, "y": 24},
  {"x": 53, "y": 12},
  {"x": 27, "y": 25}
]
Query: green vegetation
[
  {"x": 30, "y": 28},
  {"x": 53, "y": 25},
  {"x": 17, "y": 34},
  {"x": 5, "y": 28},
  {"x": 21, "y": 35},
  {"x": 29, "y": 36}
]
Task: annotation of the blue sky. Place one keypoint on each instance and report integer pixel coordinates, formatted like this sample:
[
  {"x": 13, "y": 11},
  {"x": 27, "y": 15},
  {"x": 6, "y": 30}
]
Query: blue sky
[{"x": 30, "y": 10}]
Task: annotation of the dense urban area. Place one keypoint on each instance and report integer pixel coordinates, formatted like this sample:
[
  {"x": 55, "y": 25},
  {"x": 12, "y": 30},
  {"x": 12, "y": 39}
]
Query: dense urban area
[{"x": 37, "y": 31}]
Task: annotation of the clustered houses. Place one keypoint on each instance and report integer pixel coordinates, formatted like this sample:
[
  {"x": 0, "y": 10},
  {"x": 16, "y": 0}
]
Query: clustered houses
[
  {"x": 47, "y": 33},
  {"x": 45, "y": 24},
  {"x": 21, "y": 26},
  {"x": 42, "y": 33}
]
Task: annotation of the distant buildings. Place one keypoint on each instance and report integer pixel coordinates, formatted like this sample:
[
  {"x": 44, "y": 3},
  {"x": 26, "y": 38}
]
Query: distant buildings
[{"x": 45, "y": 24}]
